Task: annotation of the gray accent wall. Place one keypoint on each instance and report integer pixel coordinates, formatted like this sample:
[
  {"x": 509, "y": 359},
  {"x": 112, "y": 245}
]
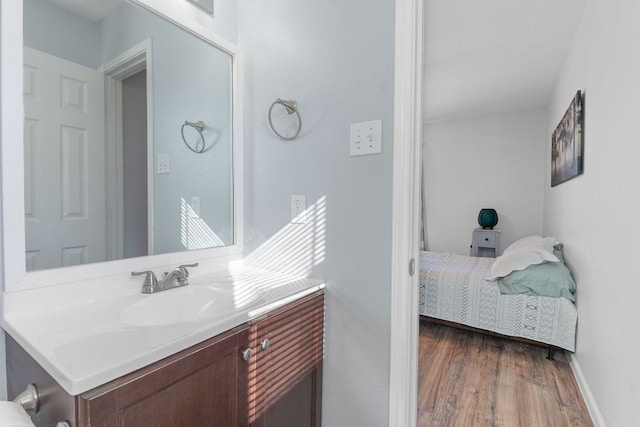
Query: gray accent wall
[{"x": 336, "y": 59}]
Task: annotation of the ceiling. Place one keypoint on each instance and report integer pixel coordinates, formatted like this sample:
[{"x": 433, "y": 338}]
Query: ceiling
[
  {"x": 487, "y": 56},
  {"x": 94, "y": 10}
]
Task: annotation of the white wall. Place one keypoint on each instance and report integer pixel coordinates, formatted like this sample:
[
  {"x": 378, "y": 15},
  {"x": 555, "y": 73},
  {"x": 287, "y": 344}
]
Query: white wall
[
  {"x": 494, "y": 161},
  {"x": 596, "y": 214},
  {"x": 336, "y": 59}
]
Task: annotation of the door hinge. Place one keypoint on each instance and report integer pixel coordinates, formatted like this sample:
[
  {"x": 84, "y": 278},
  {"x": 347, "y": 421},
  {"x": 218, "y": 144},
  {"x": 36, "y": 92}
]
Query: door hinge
[{"x": 412, "y": 267}]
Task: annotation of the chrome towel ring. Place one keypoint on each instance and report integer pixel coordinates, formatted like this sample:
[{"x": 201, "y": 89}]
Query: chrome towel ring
[
  {"x": 291, "y": 106},
  {"x": 199, "y": 127}
]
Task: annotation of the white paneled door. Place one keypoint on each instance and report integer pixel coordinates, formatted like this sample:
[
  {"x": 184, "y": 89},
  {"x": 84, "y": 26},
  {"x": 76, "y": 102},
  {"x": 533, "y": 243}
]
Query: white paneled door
[{"x": 64, "y": 162}]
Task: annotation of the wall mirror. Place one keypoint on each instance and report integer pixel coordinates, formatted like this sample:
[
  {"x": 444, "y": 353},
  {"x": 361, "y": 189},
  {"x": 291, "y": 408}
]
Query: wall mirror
[{"x": 131, "y": 142}]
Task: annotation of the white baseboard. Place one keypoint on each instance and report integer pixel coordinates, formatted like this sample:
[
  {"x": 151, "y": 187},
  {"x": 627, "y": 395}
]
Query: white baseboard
[{"x": 592, "y": 406}]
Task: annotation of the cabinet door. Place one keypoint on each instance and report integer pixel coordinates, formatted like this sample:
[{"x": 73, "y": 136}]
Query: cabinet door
[
  {"x": 285, "y": 378},
  {"x": 205, "y": 385}
]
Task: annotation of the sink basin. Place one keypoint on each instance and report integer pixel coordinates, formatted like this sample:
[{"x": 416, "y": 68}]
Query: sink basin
[{"x": 180, "y": 305}]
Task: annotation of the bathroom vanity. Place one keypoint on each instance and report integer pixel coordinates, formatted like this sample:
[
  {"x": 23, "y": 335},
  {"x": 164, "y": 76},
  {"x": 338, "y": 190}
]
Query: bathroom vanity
[
  {"x": 262, "y": 369},
  {"x": 237, "y": 346}
]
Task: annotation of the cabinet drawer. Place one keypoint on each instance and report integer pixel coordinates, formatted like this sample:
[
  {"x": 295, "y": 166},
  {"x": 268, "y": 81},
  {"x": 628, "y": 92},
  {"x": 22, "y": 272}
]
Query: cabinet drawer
[{"x": 486, "y": 239}]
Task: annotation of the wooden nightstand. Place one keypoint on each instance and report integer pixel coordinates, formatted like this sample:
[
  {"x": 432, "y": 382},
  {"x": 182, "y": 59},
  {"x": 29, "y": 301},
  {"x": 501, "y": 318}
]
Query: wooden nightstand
[{"x": 485, "y": 243}]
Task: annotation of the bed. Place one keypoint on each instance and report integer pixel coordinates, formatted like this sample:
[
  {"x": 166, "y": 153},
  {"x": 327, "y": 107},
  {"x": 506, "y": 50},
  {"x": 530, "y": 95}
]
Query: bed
[{"x": 454, "y": 288}]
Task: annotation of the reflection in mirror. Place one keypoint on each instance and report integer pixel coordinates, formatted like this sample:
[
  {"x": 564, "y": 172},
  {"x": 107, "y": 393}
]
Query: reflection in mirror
[{"x": 109, "y": 173}]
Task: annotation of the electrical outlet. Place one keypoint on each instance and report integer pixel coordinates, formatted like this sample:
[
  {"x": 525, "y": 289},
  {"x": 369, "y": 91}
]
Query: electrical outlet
[
  {"x": 195, "y": 206},
  {"x": 298, "y": 206},
  {"x": 163, "y": 165}
]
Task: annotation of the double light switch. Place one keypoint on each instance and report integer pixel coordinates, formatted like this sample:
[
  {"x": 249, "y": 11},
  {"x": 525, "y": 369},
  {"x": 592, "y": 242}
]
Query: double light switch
[{"x": 366, "y": 138}]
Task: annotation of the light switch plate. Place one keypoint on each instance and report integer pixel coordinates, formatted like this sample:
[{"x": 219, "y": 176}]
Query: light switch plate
[
  {"x": 365, "y": 138},
  {"x": 163, "y": 165}
]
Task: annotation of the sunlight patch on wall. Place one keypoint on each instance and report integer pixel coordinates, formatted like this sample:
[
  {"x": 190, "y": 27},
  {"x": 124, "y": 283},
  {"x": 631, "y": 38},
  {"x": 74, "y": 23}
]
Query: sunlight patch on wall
[
  {"x": 194, "y": 231},
  {"x": 296, "y": 248},
  {"x": 293, "y": 251}
]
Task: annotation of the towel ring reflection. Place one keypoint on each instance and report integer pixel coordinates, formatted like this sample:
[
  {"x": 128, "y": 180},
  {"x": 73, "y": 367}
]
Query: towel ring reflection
[
  {"x": 199, "y": 127},
  {"x": 291, "y": 106}
]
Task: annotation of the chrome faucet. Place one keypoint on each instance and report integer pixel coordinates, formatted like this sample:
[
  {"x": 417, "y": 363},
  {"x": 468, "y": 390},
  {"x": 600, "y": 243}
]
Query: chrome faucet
[{"x": 177, "y": 277}]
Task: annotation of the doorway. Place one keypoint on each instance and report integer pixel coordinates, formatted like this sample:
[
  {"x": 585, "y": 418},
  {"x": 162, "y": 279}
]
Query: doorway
[
  {"x": 134, "y": 165},
  {"x": 129, "y": 153}
]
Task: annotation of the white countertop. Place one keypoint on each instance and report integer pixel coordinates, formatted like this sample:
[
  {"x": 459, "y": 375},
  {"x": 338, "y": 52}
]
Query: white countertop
[{"x": 85, "y": 335}]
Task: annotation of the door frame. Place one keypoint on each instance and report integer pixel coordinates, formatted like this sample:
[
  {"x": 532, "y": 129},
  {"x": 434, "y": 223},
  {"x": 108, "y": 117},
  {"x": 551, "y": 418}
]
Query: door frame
[
  {"x": 128, "y": 63},
  {"x": 407, "y": 156}
]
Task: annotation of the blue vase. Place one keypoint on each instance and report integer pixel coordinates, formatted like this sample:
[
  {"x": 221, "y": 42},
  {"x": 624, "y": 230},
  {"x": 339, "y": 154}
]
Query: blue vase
[{"x": 487, "y": 218}]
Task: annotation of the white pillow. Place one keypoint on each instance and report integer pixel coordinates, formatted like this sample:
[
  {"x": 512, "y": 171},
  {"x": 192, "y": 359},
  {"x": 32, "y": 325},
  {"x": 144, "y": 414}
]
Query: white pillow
[
  {"x": 546, "y": 243},
  {"x": 519, "y": 259}
]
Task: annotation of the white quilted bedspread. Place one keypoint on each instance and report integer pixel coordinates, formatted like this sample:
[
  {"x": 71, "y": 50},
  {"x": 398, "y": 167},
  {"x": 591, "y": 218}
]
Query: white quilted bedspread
[{"x": 452, "y": 288}]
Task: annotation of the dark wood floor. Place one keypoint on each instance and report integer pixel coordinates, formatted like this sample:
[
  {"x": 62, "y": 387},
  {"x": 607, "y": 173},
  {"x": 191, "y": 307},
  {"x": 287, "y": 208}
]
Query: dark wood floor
[{"x": 470, "y": 379}]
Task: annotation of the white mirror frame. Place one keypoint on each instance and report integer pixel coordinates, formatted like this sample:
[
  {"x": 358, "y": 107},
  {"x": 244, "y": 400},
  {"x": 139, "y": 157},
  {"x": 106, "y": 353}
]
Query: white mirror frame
[{"x": 15, "y": 276}]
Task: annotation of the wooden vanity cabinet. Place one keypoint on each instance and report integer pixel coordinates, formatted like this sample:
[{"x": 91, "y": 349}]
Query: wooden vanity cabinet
[
  {"x": 204, "y": 385},
  {"x": 285, "y": 372},
  {"x": 213, "y": 383}
]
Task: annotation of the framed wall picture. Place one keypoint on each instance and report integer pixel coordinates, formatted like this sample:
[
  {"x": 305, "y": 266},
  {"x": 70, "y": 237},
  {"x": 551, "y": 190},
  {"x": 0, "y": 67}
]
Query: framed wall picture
[{"x": 567, "y": 144}]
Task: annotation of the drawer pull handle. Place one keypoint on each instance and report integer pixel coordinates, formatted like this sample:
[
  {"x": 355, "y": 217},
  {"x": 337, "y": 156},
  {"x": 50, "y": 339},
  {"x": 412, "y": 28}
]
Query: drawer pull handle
[
  {"x": 246, "y": 354},
  {"x": 486, "y": 239},
  {"x": 264, "y": 345}
]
